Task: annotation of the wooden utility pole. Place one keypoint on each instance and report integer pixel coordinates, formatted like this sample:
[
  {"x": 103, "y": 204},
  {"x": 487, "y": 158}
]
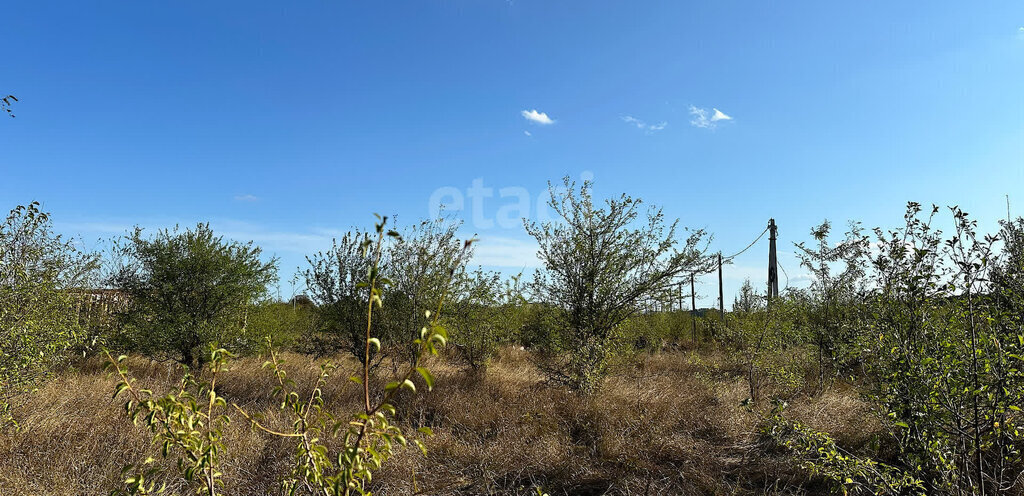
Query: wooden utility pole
[
  {"x": 721, "y": 299},
  {"x": 773, "y": 264},
  {"x": 693, "y": 309}
]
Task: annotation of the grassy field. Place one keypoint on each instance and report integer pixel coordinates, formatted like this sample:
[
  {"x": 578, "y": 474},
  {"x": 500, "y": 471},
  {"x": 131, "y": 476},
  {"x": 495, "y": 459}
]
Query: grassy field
[{"x": 671, "y": 424}]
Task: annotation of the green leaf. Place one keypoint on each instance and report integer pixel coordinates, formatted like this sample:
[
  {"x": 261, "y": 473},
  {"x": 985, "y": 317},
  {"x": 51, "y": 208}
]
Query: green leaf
[{"x": 428, "y": 378}]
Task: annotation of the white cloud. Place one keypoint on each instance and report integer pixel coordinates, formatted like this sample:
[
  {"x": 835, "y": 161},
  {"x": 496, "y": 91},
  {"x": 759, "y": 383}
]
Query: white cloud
[
  {"x": 645, "y": 127},
  {"x": 708, "y": 120},
  {"x": 718, "y": 115},
  {"x": 537, "y": 117},
  {"x": 281, "y": 241},
  {"x": 527, "y": 133},
  {"x": 81, "y": 228},
  {"x": 506, "y": 252},
  {"x": 247, "y": 198},
  {"x": 298, "y": 242},
  {"x": 802, "y": 278}
]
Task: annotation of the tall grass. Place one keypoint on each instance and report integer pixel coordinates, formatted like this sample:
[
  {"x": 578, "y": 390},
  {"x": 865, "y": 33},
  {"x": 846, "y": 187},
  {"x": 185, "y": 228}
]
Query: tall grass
[{"x": 669, "y": 425}]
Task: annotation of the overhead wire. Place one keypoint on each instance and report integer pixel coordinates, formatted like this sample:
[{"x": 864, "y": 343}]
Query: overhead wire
[
  {"x": 784, "y": 273},
  {"x": 731, "y": 257},
  {"x": 752, "y": 243},
  {"x": 708, "y": 269}
]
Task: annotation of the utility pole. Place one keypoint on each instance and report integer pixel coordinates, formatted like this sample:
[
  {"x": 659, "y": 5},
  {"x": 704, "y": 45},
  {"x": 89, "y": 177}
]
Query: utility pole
[
  {"x": 773, "y": 264},
  {"x": 721, "y": 299},
  {"x": 693, "y": 309}
]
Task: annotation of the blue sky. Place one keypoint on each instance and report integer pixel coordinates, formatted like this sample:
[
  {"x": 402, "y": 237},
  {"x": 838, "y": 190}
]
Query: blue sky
[{"x": 287, "y": 122}]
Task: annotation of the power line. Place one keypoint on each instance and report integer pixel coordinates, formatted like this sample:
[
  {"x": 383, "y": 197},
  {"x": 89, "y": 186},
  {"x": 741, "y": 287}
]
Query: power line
[
  {"x": 708, "y": 269},
  {"x": 784, "y": 273},
  {"x": 752, "y": 243},
  {"x": 723, "y": 260}
]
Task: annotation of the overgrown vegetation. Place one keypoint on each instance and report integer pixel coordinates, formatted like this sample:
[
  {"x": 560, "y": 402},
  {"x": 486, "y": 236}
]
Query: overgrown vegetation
[
  {"x": 897, "y": 370},
  {"x": 189, "y": 289},
  {"x": 41, "y": 278},
  {"x": 189, "y": 423},
  {"x": 598, "y": 265}
]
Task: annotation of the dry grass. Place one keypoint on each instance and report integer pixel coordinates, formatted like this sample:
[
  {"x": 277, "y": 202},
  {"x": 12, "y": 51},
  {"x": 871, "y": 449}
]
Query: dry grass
[{"x": 670, "y": 425}]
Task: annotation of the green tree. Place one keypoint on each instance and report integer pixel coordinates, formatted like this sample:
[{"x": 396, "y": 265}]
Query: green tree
[
  {"x": 479, "y": 313},
  {"x": 598, "y": 264},
  {"x": 333, "y": 280},
  {"x": 749, "y": 300},
  {"x": 947, "y": 367},
  {"x": 41, "y": 274},
  {"x": 421, "y": 259},
  {"x": 188, "y": 289},
  {"x": 1008, "y": 271},
  {"x": 422, "y": 264},
  {"x": 835, "y": 296}
]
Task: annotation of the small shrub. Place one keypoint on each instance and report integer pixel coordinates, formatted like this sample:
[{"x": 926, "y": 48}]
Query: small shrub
[
  {"x": 819, "y": 454},
  {"x": 187, "y": 425},
  {"x": 485, "y": 313}
]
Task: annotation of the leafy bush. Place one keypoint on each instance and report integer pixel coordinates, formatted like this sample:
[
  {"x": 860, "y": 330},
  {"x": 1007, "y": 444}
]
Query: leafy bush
[
  {"x": 188, "y": 290},
  {"x": 819, "y": 454},
  {"x": 187, "y": 424},
  {"x": 420, "y": 257},
  {"x": 749, "y": 299},
  {"x": 947, "y": 366},
  {"x": 598, "y": 263},
  {"x": 283, "y": 324},
  {"x": 771, "y": 344},
  {"x": 474, "y": 318},
  {"x": 835, "y": 298},
  {"x": 41, "y": 278},
  {"x": 333, "y": 279},
  {"x": 424, "y": 262},
  {"x": 651, "y": 331}
]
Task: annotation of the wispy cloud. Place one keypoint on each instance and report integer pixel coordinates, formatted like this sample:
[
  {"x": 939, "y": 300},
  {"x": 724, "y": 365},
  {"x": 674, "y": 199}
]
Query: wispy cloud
[
  {"x": 537, "y": 117},
  {"x": 527, "y": 133},
  {"x": 247, "y": 198},
  {"x": 300, "y": 242},
  {"x": 645, "y": 127},
  {"x": 505, "y": 252},
  {"x": 707, "y": 119},
  {"x": 94, "y": 228}
]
